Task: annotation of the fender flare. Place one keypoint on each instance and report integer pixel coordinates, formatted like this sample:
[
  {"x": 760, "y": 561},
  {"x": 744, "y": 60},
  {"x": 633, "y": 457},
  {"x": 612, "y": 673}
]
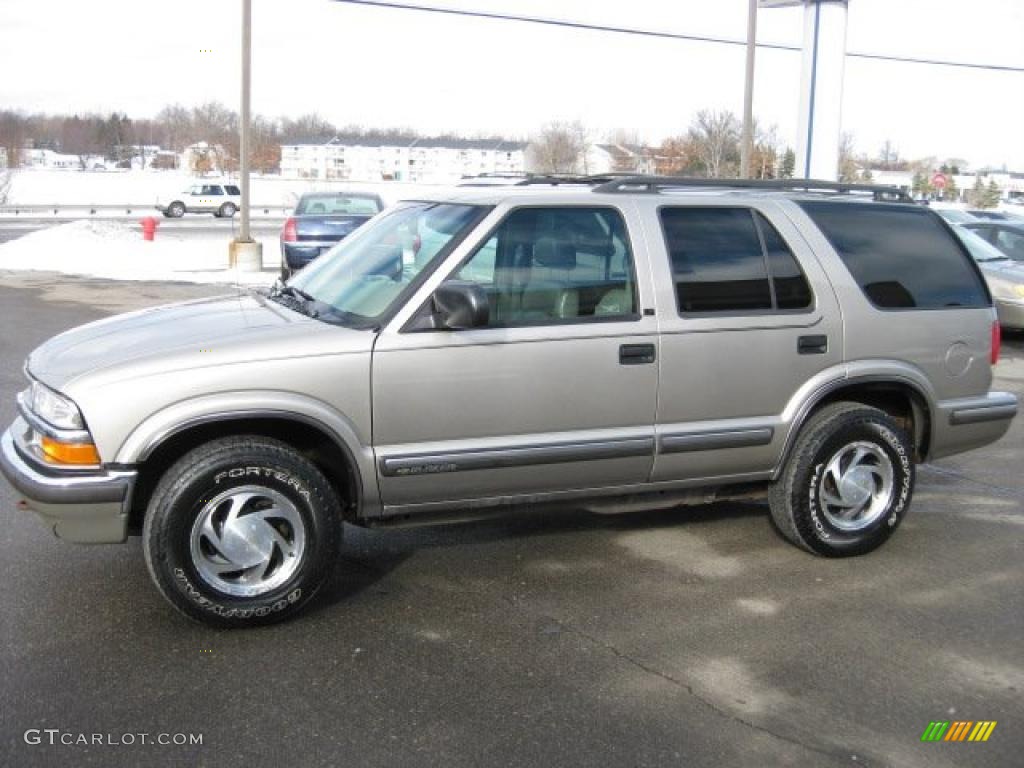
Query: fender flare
[
  {"x": 804, "y": 403},
  {"x": 179, "y": 417}
]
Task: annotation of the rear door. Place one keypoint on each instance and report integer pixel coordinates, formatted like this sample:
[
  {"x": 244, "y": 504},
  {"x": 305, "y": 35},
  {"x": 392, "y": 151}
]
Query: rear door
[
  {"x": 748, "y": 318},
  {"x": 557, "y": 393}
]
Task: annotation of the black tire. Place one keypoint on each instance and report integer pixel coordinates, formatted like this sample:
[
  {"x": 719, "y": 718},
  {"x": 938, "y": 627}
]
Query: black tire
[
  {"x": 800, "y": 498},
  {"x": 226, "y": 211},
  {"x": 176, "y": 209},
  {"x": 192, "y": 486}
]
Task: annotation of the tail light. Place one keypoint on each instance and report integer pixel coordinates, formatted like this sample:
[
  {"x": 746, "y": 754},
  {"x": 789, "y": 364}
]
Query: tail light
[
  {"x": 290, "y": 235},
  {"x": 997, "y": 341}
]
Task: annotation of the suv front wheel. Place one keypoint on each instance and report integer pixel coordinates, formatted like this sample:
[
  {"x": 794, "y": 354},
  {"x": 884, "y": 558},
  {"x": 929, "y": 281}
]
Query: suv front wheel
[
  {"x": 848, "y": 482},
  {"x": 242, "y": 531}
]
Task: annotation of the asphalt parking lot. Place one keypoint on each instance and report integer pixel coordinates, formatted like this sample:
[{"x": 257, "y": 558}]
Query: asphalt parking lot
[{"x": 695, "y": 637}]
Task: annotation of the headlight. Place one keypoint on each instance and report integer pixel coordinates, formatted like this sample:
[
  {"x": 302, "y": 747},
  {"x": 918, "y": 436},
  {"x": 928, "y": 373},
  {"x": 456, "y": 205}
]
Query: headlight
[
  {"x": 53, "y": 408},
  {"x": 1018, "y": 290}
]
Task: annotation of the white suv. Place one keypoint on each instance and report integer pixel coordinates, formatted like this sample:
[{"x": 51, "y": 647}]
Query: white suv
[{"x": 222, "y": 200}]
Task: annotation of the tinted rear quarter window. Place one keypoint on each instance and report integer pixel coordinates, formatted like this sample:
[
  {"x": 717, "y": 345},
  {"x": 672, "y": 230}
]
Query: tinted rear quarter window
[{"x": 902, "y": 257}]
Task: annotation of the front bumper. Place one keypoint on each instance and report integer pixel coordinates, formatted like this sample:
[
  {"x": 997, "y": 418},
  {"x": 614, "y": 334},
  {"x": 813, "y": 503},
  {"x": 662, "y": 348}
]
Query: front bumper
[
  {"x": 299, "y": 254},
  {"x": 88, "y": 507}
]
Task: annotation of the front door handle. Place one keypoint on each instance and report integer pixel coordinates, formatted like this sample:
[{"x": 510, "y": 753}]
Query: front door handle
[
  {"x": 812, "y": 345},
  {"x": 636, "y": 354}
]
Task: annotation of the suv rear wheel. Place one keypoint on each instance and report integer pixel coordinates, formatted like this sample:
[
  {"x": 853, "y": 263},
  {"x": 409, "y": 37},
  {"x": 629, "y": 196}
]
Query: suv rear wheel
[
  {"x": 848, "y": 482},
  {"x": 226, "y": 211},
  {"x": 242, "y": 531}
]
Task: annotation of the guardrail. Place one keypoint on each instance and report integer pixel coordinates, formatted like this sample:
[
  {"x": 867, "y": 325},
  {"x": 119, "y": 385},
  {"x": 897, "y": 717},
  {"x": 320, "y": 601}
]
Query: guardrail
[{"x": 126, "y": 209}]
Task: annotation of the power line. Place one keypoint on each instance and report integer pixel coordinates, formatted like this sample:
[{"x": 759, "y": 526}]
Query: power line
[
  {"x": 935, "y": 62},
  {"x": 564, "y": 23},
  {"x": 406, "y": 6}
]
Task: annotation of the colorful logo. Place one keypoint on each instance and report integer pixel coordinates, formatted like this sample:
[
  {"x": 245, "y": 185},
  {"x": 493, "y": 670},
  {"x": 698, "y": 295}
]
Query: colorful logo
[{"x": 958, "y": 730}]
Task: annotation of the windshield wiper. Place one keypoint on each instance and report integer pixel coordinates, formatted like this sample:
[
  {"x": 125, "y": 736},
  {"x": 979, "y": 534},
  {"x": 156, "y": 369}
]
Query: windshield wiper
[{"x": 294, "y": 297}]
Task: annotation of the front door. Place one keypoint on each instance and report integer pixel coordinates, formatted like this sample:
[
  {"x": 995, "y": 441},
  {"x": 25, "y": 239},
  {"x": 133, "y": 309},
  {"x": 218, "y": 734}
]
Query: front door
[{"x": 556, "y": 393}]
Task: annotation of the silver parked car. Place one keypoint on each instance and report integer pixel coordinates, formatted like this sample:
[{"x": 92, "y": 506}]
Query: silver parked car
[
  {"x": 1005, "y": 277},
  {"x": 652, "y": 341}
]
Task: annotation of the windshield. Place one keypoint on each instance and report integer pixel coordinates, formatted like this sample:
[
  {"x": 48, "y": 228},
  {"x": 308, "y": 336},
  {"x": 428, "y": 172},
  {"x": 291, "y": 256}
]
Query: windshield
[
  {"x": 337, "y": 205},
  {"x": 366, "y": 273},
  {"x": 979, "y": 248}
]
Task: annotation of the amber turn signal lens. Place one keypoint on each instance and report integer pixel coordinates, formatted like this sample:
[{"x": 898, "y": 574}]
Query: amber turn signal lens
[{"x": 68, "y": 453}]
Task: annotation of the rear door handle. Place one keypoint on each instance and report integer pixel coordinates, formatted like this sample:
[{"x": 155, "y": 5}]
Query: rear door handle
[
  {"x": 636, "y": 354},
  {"x": 812, "y": 345}
]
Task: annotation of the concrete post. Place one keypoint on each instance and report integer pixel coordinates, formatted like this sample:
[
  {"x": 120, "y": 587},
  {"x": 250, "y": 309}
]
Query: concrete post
[
  {"x": 821, "y": 90},
  {"x": 245, "y": 253}
]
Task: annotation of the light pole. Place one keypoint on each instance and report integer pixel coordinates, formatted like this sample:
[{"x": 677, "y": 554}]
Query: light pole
[
  {"x": 747, "y": 147},
  {"x": 243, "y": 139},
  {"x": 245, "y": 253}
]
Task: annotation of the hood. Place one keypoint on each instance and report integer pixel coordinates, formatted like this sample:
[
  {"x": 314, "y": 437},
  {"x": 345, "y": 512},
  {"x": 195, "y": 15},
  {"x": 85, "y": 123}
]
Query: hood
[{"x": 196, "y": 334}]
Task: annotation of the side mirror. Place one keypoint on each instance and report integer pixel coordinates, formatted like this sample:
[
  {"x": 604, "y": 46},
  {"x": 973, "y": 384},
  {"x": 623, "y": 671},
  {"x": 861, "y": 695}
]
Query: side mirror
[{"x": 460, "y": 304}]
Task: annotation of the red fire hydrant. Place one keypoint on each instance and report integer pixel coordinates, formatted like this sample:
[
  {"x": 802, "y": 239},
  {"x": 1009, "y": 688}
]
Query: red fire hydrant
[{"x": 149, "y": 225}]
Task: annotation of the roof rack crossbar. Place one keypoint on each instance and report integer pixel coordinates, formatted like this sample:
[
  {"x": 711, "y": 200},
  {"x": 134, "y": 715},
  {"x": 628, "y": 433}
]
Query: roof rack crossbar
[{"x": 655, "y": 184}]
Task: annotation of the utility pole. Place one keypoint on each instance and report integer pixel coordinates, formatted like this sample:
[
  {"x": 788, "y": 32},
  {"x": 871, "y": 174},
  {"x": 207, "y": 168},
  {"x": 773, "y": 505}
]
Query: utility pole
[
  {"x": 243, "y": 139},
  {"x": 245, "y": 253},
  {"x": 747, "y": 146}
]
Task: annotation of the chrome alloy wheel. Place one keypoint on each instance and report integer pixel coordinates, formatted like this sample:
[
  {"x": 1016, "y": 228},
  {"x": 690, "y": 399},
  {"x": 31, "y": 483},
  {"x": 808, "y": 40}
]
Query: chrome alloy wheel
[
  {"x": 248, "y": 541},
  {"x": 856, "y": 486}
]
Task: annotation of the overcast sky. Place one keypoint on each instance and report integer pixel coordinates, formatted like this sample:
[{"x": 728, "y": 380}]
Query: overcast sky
[{"x": 439, "y": 73}]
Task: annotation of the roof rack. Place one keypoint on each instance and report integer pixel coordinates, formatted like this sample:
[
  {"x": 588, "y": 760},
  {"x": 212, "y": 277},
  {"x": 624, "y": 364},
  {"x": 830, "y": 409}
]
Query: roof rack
[
  {"x": 555, "y": 179},
  {"x": 517, "y": 179},
  {"x": 653, "y": 184}
]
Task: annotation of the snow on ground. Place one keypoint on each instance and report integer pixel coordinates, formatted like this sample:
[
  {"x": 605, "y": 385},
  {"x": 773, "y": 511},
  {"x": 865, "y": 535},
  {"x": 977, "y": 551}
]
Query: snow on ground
[
  {"x": 116, "y": 250},
  {"x": 143, "y": 188}
]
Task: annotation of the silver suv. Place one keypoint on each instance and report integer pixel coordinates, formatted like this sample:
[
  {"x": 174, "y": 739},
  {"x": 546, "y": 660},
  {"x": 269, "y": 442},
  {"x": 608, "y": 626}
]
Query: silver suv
[{"x": 640, "y": 341}]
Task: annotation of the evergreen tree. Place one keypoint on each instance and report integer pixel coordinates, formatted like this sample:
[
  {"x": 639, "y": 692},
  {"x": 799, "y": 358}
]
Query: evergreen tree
[
  {"x": 992, "y": 195},
  {"x": 788, "y": 165},
  {"x": 975, "y": 198}
]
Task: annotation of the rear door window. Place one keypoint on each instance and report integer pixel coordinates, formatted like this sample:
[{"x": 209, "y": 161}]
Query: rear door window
[
  {"x": 731, "y": 260},
  {"x": 902, "y": 256}
]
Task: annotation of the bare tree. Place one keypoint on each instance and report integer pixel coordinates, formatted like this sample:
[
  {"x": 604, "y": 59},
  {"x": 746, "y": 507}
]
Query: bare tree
[
  {"x": 312, "y": 126},
  {"x": 677, "y": 156},
  {"x": 80, "y": 136},
  {"x": 175, "y": 123},
  {"x": 583, "y": 139},
  {"x": 764, "y": 162},
  {"x": 560, "y": 147},
  {"x": 847, "y": 159},
  {"x": 716, "y": 138},
  {"x": 5, "y": 185}
]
